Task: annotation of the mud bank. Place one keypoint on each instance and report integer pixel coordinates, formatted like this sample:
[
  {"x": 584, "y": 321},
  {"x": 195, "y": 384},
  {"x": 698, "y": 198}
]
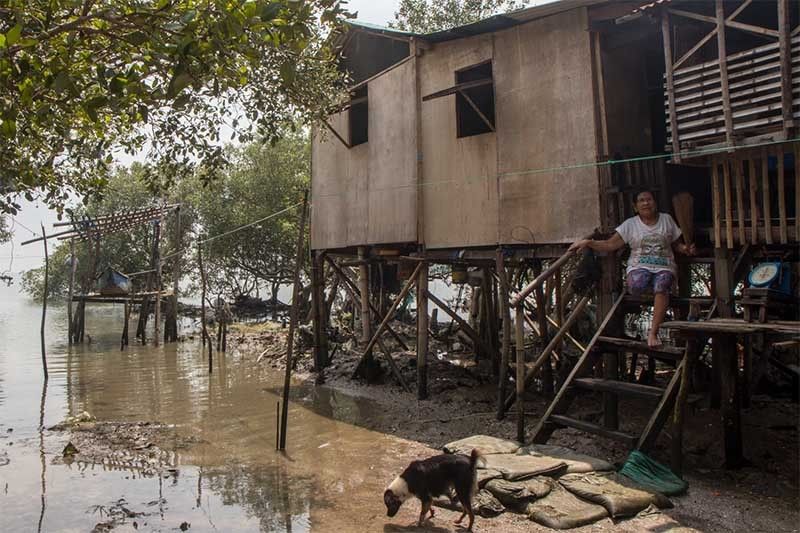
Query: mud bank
[{"x": 762, "y": 496}]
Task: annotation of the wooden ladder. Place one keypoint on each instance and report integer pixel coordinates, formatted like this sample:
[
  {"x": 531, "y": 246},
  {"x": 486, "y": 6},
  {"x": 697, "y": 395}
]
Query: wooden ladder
[{"x": 581, "y": 381}]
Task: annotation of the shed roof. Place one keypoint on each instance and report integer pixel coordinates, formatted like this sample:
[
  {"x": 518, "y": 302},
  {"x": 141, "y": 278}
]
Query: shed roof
[{"x": 487, "y": 25}]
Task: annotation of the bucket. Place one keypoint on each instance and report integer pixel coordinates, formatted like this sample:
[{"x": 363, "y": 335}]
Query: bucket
[{"x": 458, "y": 274}]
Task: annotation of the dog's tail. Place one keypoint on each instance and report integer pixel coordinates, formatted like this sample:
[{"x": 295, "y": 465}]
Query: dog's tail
[{"x": 475, "y": 460}]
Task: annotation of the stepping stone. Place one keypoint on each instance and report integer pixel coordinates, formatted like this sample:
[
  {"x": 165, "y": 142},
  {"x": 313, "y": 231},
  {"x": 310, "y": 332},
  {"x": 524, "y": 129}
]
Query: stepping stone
[
  {"x": 486, "y": 444},
  {"x": 561, "y": 509},
  {"x": 576, "y": 462},
  {"x": 516, "y": 467}
]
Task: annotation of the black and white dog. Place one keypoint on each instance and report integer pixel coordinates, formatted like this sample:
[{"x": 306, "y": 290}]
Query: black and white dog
[{"x": 435, "y": 476}]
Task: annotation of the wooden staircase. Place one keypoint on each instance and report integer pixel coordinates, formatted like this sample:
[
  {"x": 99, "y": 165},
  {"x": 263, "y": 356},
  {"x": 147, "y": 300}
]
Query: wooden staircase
[{"x": 581, "y": 381}]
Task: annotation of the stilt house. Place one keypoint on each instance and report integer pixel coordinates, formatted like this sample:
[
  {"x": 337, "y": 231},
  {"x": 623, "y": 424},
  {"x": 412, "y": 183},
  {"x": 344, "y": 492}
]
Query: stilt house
[{"x": 496, "y": 144}]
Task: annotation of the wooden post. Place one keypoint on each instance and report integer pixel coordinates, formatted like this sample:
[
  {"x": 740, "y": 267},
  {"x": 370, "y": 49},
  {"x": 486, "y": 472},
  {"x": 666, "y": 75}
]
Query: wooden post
[
  {"x": 673, "y": 114},
  {"x": 157, "y": 261},
  {"x": 295, "y": 309},
  {"x": 785, "y": 46},
  {"x": 724, "y": 347},
  {"x": 541, "y": 321},
  {"x": 123, "y": 337},
  {"x": 680, "y": 405},
  {"x": 318, "y": 310},
  {"x": 766, "y": 195},
  {"x": 70, "y": 325},
  {"x": 726, "y": 184},
  {"x": 753, "y": 183},
  {"x": 204, "y": 329},
  {"x": 560, "y": 316},
  {"x": 176, "y": 276},
  {"x": 781, "y": 184},
  {"x": 739, "y": 185},
  {"x": 723, "y": 73},
  {"x": 44, "y": 302},
  {"x": 716, "y": 201},
  {"x": 506, "y": 339},
  {"x": 363, "y": 281},
  {"x": 519, "y": 334},
  {"x": 422, "y": 332}
]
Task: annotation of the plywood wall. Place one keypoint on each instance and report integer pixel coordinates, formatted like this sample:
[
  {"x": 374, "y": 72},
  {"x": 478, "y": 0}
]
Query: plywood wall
[
  {"x": 545, "y": 119},
  {"x": 459, "y": 192},
  {"x": 367, "y": 194}
]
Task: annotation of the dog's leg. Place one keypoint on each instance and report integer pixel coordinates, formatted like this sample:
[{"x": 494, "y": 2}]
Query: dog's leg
[
  {"x": 426, "y": 506},
  {"x": 431, "y": 509},
  {"x": 466, "y": 504}
]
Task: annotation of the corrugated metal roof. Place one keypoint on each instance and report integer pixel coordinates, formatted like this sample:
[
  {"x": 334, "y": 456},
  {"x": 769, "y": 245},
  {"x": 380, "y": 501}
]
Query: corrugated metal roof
[{"x": 487, "y": 25}]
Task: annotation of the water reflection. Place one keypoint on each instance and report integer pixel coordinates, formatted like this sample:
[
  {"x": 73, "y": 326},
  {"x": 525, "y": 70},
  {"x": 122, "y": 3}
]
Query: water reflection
[{"x": 232, "y": 480}]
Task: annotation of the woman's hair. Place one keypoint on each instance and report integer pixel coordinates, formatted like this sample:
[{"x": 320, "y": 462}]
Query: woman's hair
[{"x": 642, "y": 191}]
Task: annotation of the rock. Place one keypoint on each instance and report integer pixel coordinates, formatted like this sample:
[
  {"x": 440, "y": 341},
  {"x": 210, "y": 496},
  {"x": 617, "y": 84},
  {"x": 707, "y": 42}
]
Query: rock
[{"x": 184, "y": 526}]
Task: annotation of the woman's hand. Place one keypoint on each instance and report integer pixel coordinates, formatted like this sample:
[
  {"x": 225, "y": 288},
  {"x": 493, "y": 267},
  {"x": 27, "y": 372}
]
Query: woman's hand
[
  {"x": 687, "y": 249},
  {"x": 579, "y": 245}
]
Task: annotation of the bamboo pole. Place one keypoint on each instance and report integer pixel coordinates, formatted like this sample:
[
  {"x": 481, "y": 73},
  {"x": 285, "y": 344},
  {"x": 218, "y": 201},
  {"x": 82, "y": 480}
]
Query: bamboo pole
[
  {"x": 519, "y": 325},
  {"x": 726, "y": 175},
  {"x": 716, "y": 203},
  {"x": 766, "y": 195},
  {"x": 723, "y": 74},
  {"x": 753, "y": 183},
  {"x": 295, "y": 309},
  {"x": 157, "y": 261},
  {"x": 72, "y": 265},
  {"x": 422, "y": 332},
  {"x": 781, "y": 183},
  {"x": 530, "y": 287},
  {"x": 739, "y": 180},
  {"x": 44, "y": 302}
]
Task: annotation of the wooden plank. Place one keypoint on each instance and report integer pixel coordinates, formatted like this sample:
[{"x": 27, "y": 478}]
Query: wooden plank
[
  {"x": 651, "y": 431},
  {"x": 739, "y": 184},
  {"x": 673, "y": 119},
  {"x": 458, "y": 88},
  {"x": 561, "y": 402},
  {"x": 726, "y": 176},
  {"x": 588, "y": 427},
  {"x": 723, "y": 73},
  {"x": 753, "y": 182},
  {"x": 781, "y": 184},
  {"x": 765, "y": 194},
  {"x": 621, "y": 388},
  {"x": 336, "y": 134},
  {"x": 630, "y": 345}
]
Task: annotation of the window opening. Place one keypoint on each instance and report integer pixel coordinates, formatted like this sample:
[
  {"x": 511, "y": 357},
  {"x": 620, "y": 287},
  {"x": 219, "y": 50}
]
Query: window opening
[
  {"x": 359, "y": 117},
  {"x": 475, "y": 103}
]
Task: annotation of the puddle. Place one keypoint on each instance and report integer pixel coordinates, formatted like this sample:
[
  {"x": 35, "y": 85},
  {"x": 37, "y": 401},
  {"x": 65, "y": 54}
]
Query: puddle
[{"x": 232, "y": 479}]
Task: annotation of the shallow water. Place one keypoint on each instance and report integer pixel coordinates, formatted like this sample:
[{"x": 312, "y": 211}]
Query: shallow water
[{"x": 233, "y": 480}]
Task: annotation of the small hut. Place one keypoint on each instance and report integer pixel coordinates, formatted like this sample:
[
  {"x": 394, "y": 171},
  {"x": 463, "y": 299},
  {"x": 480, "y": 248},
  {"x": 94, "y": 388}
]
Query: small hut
[{"x": 113, "y": 283}]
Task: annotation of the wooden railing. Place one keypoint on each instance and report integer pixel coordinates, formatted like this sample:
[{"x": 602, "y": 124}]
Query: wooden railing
[
  {"x": 751, "y": 204},
  {"x": 754, "y": 85}
]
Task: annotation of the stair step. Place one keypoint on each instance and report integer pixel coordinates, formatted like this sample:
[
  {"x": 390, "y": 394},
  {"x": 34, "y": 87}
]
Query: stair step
[
  {"x": 662, "y": 352},
  {"x": 619, "y": 387},
  {"x": 588, "y": 427}
]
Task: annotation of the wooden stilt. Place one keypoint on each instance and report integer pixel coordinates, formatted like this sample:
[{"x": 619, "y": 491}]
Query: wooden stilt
[
  {"x": 172, "y": 330},
  {"x": 506, "y": 338},
  {"x": 125, "y": 315},
  {"x": 422, "y": 332},
  {"x": 541, "y": 320},
  {"x": 44, "y": 303},
  {"x": 157, "y": 262},
  {"x": 679, "y": 411},
  {"x": 519, "y": 325},
  {"x": 318, "y": 311},
  {"x": 465, "y": 327},
  {"x": 72, "y": 266},
  {"x": 293, "y": 314}
]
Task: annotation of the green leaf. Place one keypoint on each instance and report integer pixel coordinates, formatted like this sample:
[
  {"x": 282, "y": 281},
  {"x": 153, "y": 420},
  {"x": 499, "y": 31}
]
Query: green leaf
[
  {"x": 287, "y": 73},
  {"x": 2, "y": 40},
  {"x": 270, "y": 11},
  {"x": 8, "y": 128},
  {"x": 62, "y": 83},
  {"x": 13, "y": 35}
]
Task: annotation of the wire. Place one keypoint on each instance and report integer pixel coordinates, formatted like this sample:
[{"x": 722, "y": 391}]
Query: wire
[{"x": 209, "y": 239}]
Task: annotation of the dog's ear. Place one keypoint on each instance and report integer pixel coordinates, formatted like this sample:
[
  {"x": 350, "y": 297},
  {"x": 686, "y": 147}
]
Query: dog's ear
[{"x": 388, "y": 496}]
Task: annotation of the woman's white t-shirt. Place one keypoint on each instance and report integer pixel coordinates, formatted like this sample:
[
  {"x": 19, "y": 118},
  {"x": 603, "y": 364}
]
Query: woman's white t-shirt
[{"x": 651, "y": 246}]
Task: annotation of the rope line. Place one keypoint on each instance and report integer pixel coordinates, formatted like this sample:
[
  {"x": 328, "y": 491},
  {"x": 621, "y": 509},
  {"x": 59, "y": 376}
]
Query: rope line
[{"x": 209, "y": 239}]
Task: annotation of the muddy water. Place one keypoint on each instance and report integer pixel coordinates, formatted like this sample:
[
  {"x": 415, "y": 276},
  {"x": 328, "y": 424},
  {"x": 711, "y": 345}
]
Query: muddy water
[{"x": 231, "y": 480}]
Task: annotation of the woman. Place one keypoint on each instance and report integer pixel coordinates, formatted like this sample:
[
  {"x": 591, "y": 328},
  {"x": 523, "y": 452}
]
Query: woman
[{"x": 653, "y": 237}]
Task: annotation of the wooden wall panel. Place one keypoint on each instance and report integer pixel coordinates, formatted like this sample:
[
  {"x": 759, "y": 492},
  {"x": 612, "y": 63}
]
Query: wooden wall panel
[
  {"x": 545, "y": 120},
  {"x": 460, "y": 185},
  {"x": 392, "y": 204},
  {"x": 338, "y": 190}
]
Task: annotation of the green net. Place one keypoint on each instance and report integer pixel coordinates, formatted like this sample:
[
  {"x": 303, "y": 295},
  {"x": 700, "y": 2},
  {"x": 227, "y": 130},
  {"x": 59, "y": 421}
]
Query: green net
[{"x": 652, "y": 475}]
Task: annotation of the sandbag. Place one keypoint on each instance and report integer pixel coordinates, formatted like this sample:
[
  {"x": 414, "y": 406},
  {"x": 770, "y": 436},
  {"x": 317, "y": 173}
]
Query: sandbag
[
  {"x": 516, "y": 467},
  {"x": 561, "y": 509},
  {"x": 619, "y": 495},
  {"x": 483, "y": 475},
  {"x": 486, "y": 444},
  {"x": 515, "y": 495},
  {"x": 486, "y": 505},
  {"x": 652, "y": 475},
  {"x": 576, "y": 462}
]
